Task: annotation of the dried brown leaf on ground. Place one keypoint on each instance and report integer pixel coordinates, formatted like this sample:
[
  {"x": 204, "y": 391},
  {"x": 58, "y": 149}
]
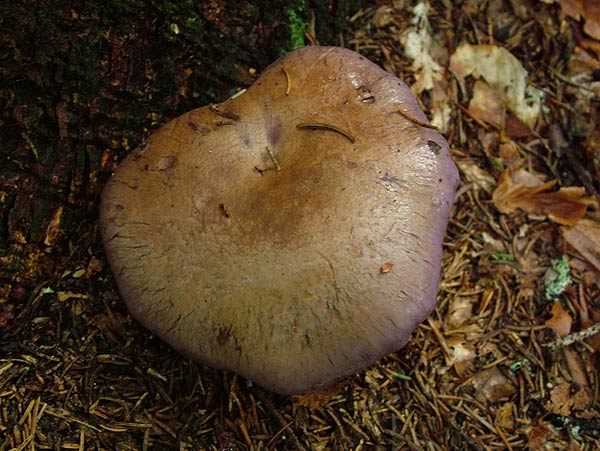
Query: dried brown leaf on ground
[
  {"x": 492, "y": 385},
  {"x": 461, "y": 346},
  {"x": 418, "y": 43},
  {"x": 504, "y": 73},
  {"x": 538, "y": 438},
  {"x": 561, "y": 321},
  {"x": 486, "y": 105},
  {"x": 474, "y": 173},
  {"x": 520, "y": 189},
  {"x": 566, "y": 398},
  {"x": 578, "y": 373},
  {"x": 425, "y": 50},
  {"x": 584, "y": 237},
  {"x": 321, "y": 398},
  {"x": 588, "y": 10}
]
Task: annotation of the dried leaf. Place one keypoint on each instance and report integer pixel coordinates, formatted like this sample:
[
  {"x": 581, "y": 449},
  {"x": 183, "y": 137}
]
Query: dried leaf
[
  {"x": 505, "y": 416},
  {"x": 505, "y": 75},
  {"x": 66, "y": 295},
  {"x": 561, "y": 321},
  {"x": 462, "y": 353},
  {"x": 576, "y": 367},
  {"x": 318, "y": 399},
  {"x": 509, "y": 153},
  {"x": 492, "y": 385},
  {"x": 538, "y": 436},
  {"x": 589, "y": 10},
  {"x": 476, "y": 175},
  {"x": 519, "y": 189},
  {"x": 566, "y": 397},
  {"x": 459, "y": 311},
  {"x": 417, "y": 43},
  {"x": 560, "y": 399},
  {"x": 486, "y": 105},
  {"x": 585, "y": 238}
]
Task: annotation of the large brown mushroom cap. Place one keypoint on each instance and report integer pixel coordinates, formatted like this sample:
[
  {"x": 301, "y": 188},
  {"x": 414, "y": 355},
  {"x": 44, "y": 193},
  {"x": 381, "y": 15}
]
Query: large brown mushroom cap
[{"x": 292, "y": 234}]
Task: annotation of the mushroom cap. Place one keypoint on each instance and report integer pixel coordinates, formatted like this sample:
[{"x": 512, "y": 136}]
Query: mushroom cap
[{"x": 292, "y": 234}]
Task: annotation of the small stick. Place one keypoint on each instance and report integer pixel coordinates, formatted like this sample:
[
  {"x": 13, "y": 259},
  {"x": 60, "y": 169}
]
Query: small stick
[
  {"x": 320, "y": 125},
  {"x": 405, "y": 115},
  {"x": 215, "y": 109},
  {"x": 574, "y": 337},
  {"x": 273, "y": 159},
  {"x": 288, "y": 79}
]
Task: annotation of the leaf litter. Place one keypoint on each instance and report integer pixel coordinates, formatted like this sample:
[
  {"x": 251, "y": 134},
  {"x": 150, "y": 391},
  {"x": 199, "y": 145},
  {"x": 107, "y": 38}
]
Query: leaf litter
[{"x": 497, "y": 365}]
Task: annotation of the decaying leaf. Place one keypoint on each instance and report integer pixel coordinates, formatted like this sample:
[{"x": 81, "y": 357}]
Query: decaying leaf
[
  {"x": 318, "y": 399},
  {"x": 491, "y": 385},
  {"x": 504, "y": 74},
  {"x": 576, "y": 368},
  {"x": 589, "y": 10},
  {"x": 520, "y": 189},
  {"x": 538, "y": 436},
  {"x": 561, "y": 321},
  {"x": 424, "y": 50},
  {"x": 566, "y": 397},
  {"x": 462, "y": 353},
  {"x": 417, "y": 43},
  {"x": 66, "y": 295},
  {"x": 459, "y": 311},
  {"x": 559, "y": 399},
  {"x": 585, "y": 238},
  {"x": 486, "y": 104},
  {"x": 476, "y": 175},
  {"x": 505, "y": 416}
]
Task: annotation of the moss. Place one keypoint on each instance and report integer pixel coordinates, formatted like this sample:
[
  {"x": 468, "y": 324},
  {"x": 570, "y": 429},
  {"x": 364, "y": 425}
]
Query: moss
[
  {"x": 558, "y": 278},
  {"x": 298, "y": 23}
]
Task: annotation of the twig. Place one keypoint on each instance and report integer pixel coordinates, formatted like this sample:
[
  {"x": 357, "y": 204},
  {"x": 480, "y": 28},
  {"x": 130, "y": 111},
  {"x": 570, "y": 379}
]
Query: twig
[
  {"x": 273, "y": 442},
  {"x": 215, "y": 109},
  {"x": 282, "y": 422},
  {"x": 575, "y": 337},
  {"x": 405, "y": 115},
  {"x": 320, "y": 125},
  {"x": 273, "y": 158}
]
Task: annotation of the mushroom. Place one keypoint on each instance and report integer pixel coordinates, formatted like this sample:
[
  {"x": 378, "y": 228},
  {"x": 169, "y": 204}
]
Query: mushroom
[{"x": 293, "y": 233}]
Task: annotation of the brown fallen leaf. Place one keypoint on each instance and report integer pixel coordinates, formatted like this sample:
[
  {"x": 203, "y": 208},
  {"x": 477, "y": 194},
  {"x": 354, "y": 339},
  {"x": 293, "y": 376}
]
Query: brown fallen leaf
[
  {"x": 462, "y": 353},
  {"x": 589, "y": 10},
  {"x": 509, "y": 153},
  {"x": 584, "y": 237},
  {"x": 318, "y": 399},
  {"x": 566, "y": 397},
  {"x": 491, "y": 385},
  {"x": 460, "y": 310},
  {"x": 561, "y": 321},
  {"x": 576, "y": 368},
  {"x": 519, "y": 189},
  {"x": 505, "y": 416},
  {"x": 486, "y": 105},
  {"x": 505, "y": 75},
  {"x": 476, "y": 175},
  {"x": 560, "y": 402},
  {"x": 538, "y": 436}
]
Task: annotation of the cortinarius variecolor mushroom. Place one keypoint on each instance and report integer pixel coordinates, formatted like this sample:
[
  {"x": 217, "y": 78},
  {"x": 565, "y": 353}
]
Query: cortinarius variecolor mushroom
[{"x": 292, "y": 234}]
